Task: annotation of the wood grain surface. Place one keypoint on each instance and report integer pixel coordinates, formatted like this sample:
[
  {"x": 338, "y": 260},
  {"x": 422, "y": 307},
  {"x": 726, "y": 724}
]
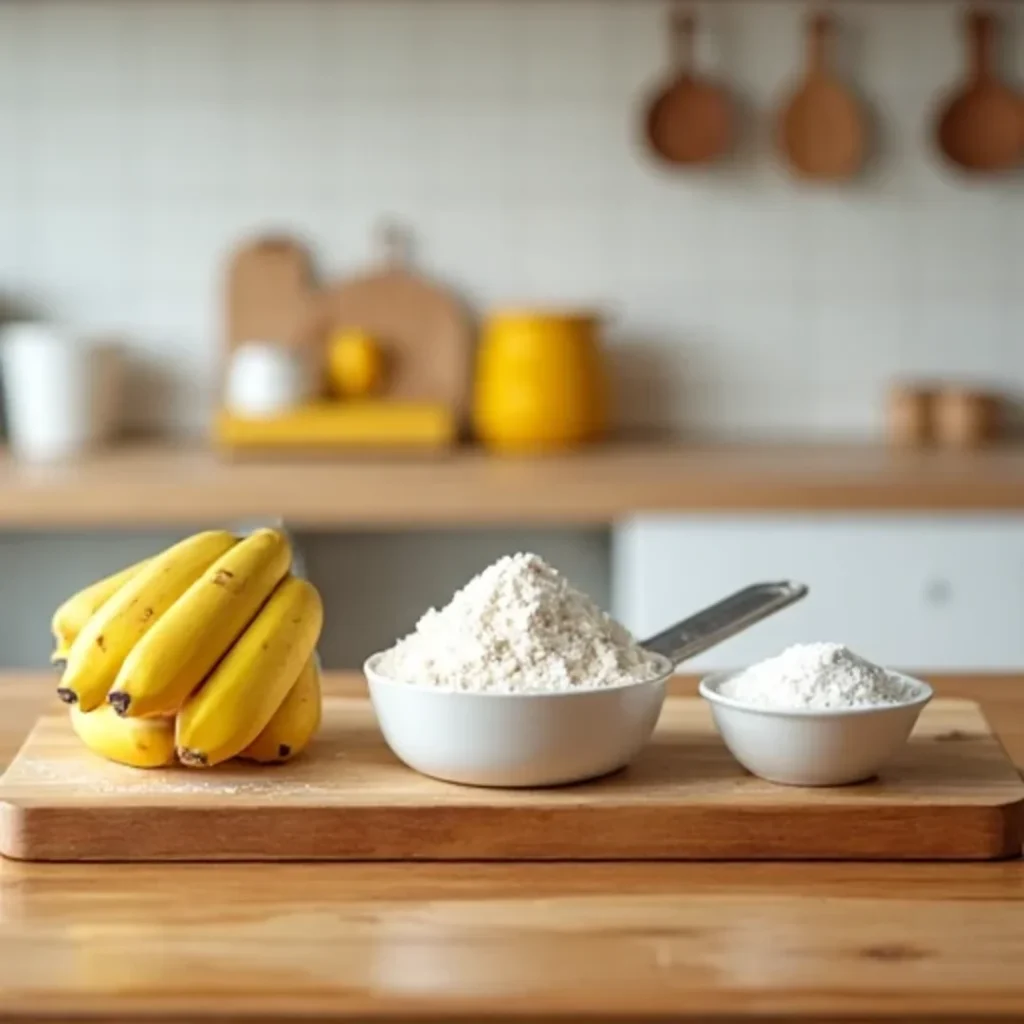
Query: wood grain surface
[
  {"x": 540, "y": 942},
  {"x": 153, "y": 486},
  {"x": 951, "y": 794}
]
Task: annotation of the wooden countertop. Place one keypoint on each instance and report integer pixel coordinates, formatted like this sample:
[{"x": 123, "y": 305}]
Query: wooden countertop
[
  {"x": 597, "y": 942},
  {"x": 153, "y": 486}
]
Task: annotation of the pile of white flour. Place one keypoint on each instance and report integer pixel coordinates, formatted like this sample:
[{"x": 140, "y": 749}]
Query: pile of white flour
[
  {"x": 820, "y": 675},
  {"x": 518, "y": 627}
]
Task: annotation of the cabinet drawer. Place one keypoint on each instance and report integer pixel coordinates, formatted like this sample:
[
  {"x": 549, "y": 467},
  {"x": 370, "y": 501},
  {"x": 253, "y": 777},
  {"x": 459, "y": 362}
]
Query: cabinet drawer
[{"x": 918, "y": 592}]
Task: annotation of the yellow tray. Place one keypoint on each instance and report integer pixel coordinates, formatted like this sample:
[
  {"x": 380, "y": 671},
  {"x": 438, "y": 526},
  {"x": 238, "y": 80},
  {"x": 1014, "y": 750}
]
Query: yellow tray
[{"x": 341, "y": 426}]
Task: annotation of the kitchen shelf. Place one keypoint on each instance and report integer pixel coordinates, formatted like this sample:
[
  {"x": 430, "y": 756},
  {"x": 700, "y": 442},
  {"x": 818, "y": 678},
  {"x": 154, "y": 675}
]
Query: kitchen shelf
[{"x": 151, "y": 486}]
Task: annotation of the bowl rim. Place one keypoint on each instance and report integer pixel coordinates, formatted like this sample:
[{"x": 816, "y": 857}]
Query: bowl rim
[
  {"x": 708, "y": 689},
  {"x": 374, "y": 676}
]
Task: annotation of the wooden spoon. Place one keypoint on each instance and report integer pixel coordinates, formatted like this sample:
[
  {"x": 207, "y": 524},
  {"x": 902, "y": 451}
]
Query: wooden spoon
[
  {"x": 690, "y": 120},
  {"x": 981, "y": 128},
  {"x": 822, "y": 129}
]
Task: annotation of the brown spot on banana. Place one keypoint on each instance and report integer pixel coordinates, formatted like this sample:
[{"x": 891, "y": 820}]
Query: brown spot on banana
[
  {"x": 191, "y": 758},
  {"x": 66, "y": 695}
]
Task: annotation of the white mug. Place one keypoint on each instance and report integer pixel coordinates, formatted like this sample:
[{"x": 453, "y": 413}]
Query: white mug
[
  {"x": 60, "y": 392},
  {"x": 265, "y": 379}
]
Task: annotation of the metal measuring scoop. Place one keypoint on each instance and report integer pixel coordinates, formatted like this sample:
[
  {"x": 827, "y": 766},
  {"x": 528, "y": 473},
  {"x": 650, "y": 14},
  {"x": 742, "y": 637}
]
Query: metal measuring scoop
[{"x": 726, "y": 618}]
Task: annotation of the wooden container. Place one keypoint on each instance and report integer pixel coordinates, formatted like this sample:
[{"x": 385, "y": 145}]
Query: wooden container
[
  {"x": 965, "y": 418},
  {"x": 910, "y": 417}
]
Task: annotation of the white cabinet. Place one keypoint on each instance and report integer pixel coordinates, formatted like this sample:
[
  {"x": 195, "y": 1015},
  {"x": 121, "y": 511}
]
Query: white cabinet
[{"x": 930, "y": 593}]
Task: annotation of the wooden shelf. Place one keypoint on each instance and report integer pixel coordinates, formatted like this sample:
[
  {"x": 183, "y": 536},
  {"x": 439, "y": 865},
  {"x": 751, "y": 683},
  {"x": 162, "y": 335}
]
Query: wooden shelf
[{"x": 147, "y": 486}]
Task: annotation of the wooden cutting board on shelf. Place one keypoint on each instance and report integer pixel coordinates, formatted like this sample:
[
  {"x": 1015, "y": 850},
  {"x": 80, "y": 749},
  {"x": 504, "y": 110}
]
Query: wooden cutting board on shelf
[
  {"x": 269, "y": 285},
  {"x": 424, "y": 332},
  {"x": 952, "y": 795}
]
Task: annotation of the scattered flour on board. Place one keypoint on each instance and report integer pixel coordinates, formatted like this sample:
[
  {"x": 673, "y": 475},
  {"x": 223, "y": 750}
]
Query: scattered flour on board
[
  {"x": 820, "y": 675},
  {"x": 519, "y": 627},
  {"x": 117, "y": 780}
]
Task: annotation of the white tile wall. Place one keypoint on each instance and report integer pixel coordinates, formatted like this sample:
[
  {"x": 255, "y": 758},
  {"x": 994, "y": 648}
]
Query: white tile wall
[{"x": 141, "y": 139}]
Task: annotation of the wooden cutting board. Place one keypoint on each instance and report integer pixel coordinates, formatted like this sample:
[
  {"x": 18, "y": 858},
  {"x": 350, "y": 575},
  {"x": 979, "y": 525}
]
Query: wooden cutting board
[
  {"x": 424, "y": 331},
  {"x": 269, "y": 285},
  {"x": 953, "y": 795}
]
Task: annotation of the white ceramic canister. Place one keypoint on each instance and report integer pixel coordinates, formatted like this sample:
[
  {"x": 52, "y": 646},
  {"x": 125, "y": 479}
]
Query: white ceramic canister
[{"x": 61, "y": 392}]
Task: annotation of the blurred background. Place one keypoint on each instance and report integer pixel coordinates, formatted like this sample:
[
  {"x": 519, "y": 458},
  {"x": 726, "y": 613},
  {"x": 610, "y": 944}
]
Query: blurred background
[{"x": 351, "y": 234}]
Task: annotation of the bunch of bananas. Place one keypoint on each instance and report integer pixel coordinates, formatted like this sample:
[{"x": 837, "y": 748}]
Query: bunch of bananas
[{"x": 200, "y": 654}]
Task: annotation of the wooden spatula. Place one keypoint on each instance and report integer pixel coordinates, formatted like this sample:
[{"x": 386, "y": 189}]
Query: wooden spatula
[
  {"x": 822, "y": 129},
  {"x": 982, "y": 125},
  {"x": 690, "y": 120}
]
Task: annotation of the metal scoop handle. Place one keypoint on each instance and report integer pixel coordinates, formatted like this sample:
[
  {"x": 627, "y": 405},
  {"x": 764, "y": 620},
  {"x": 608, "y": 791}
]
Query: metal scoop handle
[{"x": 718, "y": 622}]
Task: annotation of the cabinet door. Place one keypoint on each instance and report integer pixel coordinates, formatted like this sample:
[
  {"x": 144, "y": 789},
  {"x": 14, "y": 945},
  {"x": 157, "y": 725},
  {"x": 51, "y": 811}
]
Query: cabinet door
[{"x": 914, "y": 592}]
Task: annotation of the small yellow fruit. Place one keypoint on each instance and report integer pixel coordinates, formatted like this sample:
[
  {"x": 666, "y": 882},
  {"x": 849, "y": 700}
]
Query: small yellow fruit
[{"x": 355, "y": 364}]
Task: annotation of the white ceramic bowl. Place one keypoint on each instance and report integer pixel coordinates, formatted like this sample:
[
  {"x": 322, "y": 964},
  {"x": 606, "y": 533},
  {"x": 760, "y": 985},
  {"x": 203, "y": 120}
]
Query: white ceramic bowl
[
  {"x": 513, "y": 740},
  {"x": 265, "y": 379},
  {"x": 810, "y": 747}
]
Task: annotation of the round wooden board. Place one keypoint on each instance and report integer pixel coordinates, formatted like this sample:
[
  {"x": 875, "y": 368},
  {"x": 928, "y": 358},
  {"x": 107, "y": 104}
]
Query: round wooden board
[{"x": 423, "y": 329}]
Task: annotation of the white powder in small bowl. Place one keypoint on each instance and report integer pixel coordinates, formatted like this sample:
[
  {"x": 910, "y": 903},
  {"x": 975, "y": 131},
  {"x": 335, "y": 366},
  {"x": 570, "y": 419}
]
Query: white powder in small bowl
[
  {"x": 519, "y": 627},
  {"x": 819, "y": 675}
]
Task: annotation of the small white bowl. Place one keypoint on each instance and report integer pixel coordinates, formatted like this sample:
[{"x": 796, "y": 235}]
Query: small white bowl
[
  {"x": 809, "y": 746},
  {"x": 512, "y": 739},
  {"x": 266, "y": 379}
]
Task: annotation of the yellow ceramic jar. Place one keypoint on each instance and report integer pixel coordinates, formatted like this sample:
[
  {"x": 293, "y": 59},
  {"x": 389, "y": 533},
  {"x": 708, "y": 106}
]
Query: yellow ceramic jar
[{"x": 541, "y": 381}]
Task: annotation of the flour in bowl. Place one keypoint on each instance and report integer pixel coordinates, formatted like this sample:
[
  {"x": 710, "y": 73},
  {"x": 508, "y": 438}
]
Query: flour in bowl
[
  {"x": 519, "y": 627},
  {"x": 820, "y": 675}
]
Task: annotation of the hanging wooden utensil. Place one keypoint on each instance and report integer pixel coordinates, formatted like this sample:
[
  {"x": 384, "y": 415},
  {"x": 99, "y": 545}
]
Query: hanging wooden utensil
[
  {"x": 691, "y": 120},
  {"x": 981, "y": 128},
  {"x": 822, "y": 128}
]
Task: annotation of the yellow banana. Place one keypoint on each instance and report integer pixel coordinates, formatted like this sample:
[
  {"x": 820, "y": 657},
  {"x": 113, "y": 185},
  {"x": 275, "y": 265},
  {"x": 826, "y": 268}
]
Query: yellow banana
[
  {"x": 139, "y": 742},
  {"x": 177, "y": 654},
  {"x": 70, "y": 618},
  {"x": 241, "y": 695},
  {"x": 294, "y": 723},
  {"x": 100, "y": 649}
]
